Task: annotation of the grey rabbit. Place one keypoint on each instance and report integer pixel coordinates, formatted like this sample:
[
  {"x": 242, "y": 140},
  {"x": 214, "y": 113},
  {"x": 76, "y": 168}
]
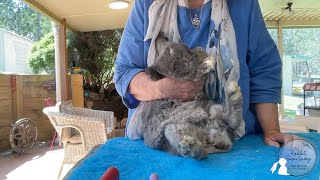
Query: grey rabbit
[{"x": 194, "y": 128}]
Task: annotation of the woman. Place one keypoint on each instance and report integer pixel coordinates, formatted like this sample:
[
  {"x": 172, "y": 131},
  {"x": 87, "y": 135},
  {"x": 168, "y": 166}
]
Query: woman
[{"x": 232, "y": 30}]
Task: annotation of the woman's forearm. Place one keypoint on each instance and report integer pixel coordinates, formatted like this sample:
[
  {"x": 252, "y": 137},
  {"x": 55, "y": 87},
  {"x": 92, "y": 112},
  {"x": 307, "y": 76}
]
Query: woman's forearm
[
  {"x": 143, "y": 88},
  {"x": 267, "y": 114}
]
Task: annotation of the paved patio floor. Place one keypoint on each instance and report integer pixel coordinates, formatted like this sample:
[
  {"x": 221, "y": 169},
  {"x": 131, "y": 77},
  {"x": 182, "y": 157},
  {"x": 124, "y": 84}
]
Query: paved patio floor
[{"x": 38, "y": 163}]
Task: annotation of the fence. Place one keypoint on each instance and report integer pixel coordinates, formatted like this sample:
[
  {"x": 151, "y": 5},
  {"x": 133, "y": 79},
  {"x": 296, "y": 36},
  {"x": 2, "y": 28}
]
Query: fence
[
  {"x": 22, "y": 96},
  {"x": 5, "y": 110}
]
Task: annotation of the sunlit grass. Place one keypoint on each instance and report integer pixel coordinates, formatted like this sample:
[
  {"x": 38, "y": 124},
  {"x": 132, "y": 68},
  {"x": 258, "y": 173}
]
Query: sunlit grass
[{"x": 289, "y": 113}]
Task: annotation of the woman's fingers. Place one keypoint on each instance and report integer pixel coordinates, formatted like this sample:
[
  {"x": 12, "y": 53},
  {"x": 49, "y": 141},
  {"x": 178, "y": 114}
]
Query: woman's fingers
[{"x": 181, "y": 89}]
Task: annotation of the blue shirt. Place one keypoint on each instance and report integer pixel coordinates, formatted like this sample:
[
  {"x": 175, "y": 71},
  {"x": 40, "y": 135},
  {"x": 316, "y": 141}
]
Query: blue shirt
[{"x": 260, "y": 64}]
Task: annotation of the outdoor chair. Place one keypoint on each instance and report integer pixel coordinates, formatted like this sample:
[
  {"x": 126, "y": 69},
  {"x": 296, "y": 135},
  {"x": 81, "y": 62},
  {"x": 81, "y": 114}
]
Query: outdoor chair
[{"x": 79, "y": 129}]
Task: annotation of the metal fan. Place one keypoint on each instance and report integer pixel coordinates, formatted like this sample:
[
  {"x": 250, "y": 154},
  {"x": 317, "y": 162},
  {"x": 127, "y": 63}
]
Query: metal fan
[{"x": 288, "y": 9}]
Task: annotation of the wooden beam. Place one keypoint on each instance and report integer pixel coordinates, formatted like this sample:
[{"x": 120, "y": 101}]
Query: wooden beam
[
  {"x": 295, "y": 16},
  {"x": 280, "y": 48},
  {"x": 47, "y": 12},
  {"x": 286, "y": 24},
  {"x": 271, "y": 24}
]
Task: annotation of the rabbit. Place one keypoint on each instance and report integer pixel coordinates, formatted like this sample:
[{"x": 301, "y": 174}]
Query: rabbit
[{"x": 193, "y": 128}]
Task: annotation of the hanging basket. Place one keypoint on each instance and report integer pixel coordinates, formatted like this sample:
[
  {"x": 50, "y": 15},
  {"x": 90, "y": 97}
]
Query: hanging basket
[{"x": 23, "y": 135}]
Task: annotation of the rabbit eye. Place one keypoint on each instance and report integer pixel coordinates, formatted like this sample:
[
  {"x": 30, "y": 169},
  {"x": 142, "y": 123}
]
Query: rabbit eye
[{"x": 167, "y": 51}]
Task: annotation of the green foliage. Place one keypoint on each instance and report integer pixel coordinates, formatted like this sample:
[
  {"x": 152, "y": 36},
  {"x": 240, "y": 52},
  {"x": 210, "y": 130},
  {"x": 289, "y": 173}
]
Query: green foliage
[
  {"x": 42, "y": 55},
  {"x": 97, "y": 52},
  {"x": 94, "y": 52},
  {"x": 291, "y": 114},
  {"x": 303, "y": 42},
  {"x": 18, "y": 17}
]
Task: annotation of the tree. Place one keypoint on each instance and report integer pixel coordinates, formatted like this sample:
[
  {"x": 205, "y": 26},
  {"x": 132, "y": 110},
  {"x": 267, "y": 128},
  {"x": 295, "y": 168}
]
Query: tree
[
  {"x": 94, "y": 52},
  {"x": 43, "y": 53},
  {"x": 302, "y": 42},
  {"x": 97, "y": 53},
  {"x": 18, "y": 17}
]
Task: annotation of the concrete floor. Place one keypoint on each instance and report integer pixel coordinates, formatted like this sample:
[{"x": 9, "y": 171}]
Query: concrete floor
[{"x": 38, "y": 163}]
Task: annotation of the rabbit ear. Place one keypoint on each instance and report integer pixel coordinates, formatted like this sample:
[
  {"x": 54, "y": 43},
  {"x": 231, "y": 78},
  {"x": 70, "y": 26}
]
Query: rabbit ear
[
  {"x": 160, "y": 42},
  {"x": 274, "y": 167}
]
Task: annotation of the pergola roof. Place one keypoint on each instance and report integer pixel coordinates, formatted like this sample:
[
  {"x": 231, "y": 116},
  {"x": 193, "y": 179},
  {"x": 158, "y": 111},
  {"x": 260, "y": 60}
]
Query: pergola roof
[
  {"x": 84, "y": 15},
  {"x": 305, "y": 12}
]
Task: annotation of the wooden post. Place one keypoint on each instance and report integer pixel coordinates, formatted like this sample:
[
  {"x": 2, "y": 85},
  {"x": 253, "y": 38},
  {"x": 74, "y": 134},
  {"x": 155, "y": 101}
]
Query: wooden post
[
  {"x": 17, "y": 99},
  {"x": 280, "y": 48},
  {"x": 57, "y": 61},
  {"x": 61, "y": 61},
  {"x": 77, "y": 90},
  {"x": 64, "y": 60}
]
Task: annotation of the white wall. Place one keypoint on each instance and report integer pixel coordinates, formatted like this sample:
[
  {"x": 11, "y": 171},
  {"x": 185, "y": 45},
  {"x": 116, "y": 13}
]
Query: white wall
[{"x": 16, "y": 53}]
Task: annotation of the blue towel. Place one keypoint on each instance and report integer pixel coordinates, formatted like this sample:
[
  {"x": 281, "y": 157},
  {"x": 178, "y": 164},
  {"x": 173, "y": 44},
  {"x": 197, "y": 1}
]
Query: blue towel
[{"x": 248, "y": 159}]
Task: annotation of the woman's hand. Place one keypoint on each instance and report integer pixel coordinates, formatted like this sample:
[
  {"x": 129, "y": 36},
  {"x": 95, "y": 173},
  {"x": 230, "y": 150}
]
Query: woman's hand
[
  {"x": 144, "y": 89},
  {"x": 267, "y": 114},
  {"x": 179, "y": 89},
  {"x": 276, "y": 138}
]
